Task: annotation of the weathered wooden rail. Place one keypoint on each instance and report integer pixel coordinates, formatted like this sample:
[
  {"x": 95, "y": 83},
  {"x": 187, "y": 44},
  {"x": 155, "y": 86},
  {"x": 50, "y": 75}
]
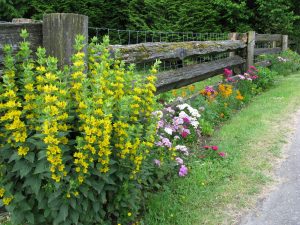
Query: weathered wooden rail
[{"x": 57, "y": 32}]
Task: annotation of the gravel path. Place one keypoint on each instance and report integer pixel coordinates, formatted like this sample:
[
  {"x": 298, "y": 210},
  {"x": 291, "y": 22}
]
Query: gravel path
[{"x": 282, "y": 206}]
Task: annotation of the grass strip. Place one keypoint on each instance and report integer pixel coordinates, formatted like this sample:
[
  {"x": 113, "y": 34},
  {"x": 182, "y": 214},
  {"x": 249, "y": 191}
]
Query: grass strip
[{"x": 215, "y": 192}]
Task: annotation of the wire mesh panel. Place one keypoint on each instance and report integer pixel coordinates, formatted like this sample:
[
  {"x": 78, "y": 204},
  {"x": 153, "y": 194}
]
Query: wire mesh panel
[{"x": 127, "y": 37}]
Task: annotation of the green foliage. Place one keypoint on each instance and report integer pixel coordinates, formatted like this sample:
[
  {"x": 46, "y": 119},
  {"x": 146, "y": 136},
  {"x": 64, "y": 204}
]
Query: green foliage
[
  {"x": 207, "y": 129},
  {"x": 275, "y": 16},
  {"x": 75, "y": 143},
  {"x": 284, "y": 63},
  {"x": 266, "y": 78}
]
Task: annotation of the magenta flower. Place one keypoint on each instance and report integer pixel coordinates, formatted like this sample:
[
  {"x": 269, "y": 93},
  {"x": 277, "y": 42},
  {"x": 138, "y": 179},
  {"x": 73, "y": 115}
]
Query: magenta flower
[
  {"x": 184, "y": 134},
  {"x": 186, "y": 120},
  {"x": 157, "y": 162},
  {"x": 215, "y": 148},
  {"x": 179, "y": 160},
  {"x": 222, "y": 154},
  {"x": 183, "y": 171},
  {"x": 227, "y": 72}
]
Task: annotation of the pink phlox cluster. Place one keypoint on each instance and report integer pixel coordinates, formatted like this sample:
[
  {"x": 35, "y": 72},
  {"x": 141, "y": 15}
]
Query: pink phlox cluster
[
  {"x": 164, "y": 142},
  {"x": 183, "y": 171},
  {"x": 179, "y": 160}
]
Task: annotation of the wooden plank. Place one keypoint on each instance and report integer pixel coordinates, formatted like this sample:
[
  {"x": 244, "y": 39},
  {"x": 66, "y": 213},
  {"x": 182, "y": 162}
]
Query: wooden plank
[
  {"x": 264, "y": 63},
  {"x": 260, "y": 51},
  {"x": 59, "y": 32},
  {"x": 147, "y": 52},
  {"x": 250, "y": 48},
  {"x": 190, "y": 74},
  {"x": 10, "y": 34},
  {"x": 268, "y": 37}
]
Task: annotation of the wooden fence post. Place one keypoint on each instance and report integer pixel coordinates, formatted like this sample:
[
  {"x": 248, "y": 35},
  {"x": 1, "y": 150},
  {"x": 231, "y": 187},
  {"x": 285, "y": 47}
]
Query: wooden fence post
[
  {"x": 59, "y": 32},
  {"x": 232, "y": 37},
  {"x": 250, "y": 48},
  {"x": 285, "y": 42}
]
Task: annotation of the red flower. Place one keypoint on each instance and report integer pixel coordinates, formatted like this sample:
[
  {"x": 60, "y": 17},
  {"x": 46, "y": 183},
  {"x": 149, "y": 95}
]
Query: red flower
[
  {"x": 206, "y": 147},
  {"x": 215, "y": 148}
]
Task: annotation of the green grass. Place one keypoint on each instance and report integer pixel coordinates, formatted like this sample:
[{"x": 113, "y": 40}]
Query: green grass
[{"x": 216, "y": 192}]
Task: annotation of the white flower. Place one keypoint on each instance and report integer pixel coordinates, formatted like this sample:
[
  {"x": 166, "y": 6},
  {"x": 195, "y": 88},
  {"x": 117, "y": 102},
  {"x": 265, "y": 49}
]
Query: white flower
[
  {"x": 168, "y": 130},
  {"x": 183, "y": 149},
  {"x": 182, "y": 106},
  {"x": 195, "y": 123}
]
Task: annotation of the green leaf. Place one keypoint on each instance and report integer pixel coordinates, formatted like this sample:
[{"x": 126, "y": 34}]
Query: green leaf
[
  {"x": 74, "y": 216},
  {"x": 84, "y": 190},
  {"x": 91, "y": 196},
  {"x": 34, "y": 182},
  {"x": 41, "y": 167},
  {"x": 29, "y": 217},
  {"x": 96, "y": 206},
  {"x": 14, "y": 157},
  {"x": 73, "y": 203},
  {"x": 23, "y": 167},
  {"x": 42, "y": 154},
  {"x": 25, "y": 206},
  {"x": 30, "y": 157},
  {"x": 62, "y": 215}
]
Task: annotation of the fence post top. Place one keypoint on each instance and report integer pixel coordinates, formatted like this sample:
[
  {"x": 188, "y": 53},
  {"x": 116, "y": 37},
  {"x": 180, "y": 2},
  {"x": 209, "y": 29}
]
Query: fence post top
[{"x": 64, "y": 15}]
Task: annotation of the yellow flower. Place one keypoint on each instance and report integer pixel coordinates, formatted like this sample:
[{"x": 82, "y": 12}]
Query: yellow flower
[
  {"x": 129, "y": 214},
  {"x": 78, "y": 63},
  {"x": 22, "y": 151},
  {"x": 2, "y": 191},
  {"x": 7, "y": 200},
  {"x": 41, "y": 69}
]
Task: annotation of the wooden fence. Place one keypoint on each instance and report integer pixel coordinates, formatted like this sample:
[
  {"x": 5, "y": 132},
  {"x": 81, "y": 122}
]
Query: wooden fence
[{"x": 57, "y": 32}]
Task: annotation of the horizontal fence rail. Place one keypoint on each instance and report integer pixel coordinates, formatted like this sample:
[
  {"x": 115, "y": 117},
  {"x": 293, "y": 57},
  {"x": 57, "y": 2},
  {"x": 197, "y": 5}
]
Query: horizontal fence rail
[
  {"x": 179, "y": 50},
  {"x": 186, "y": 57}
]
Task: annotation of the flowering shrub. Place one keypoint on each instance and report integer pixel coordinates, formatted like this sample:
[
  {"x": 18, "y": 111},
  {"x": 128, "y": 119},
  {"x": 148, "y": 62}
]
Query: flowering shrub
[
  {"x": 74, "y": 142},
  {"x": 174, "y": 128},
  {"x": 284, "y": 63}
]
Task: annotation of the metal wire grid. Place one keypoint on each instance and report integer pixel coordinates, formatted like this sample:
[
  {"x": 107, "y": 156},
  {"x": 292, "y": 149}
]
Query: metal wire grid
[
  {"x": 167, "y": 65},
  {"x": 127, "y": 37},
  {"x": 265, "y": 44}
]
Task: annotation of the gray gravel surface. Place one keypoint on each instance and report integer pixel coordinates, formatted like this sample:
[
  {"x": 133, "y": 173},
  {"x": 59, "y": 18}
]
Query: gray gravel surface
[{"x": 282, "y": 205}]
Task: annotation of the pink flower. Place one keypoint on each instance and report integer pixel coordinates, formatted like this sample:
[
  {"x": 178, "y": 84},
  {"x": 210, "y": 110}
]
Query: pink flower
[
  {"x": 229, "y": 79},
  {"x": 206, "y": 146},
  {"x": 179, "y": 160},
  {"x": 184, "y": 134},
  {"x": 215, "y": 148},
  {"x": 227, "y": 72},
  {"x": 222, "y": 154},
  {"x": 157, "y": 162},
  {"x": 183, "y": 171},
  {"x": 186, "y": 120},
  {"x": 253, "y": 68}
]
